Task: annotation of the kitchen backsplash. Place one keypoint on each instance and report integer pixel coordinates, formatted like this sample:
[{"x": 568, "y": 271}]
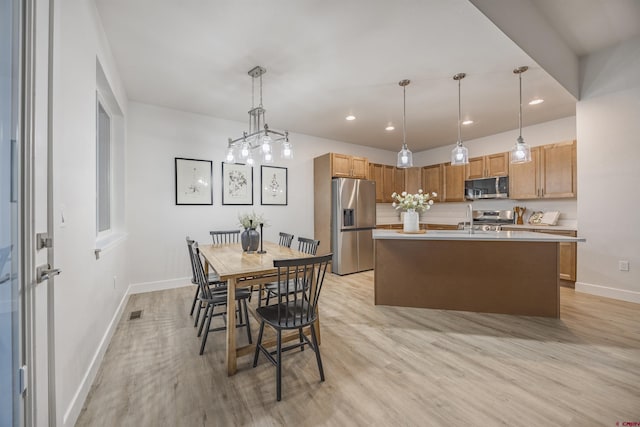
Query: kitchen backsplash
[{"x": 453, "y": 213}]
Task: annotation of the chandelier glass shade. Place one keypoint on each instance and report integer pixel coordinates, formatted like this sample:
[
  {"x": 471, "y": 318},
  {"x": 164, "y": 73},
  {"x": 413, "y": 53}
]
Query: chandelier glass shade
[
  {"x": 405, "y": 157},
  {"x": 521, "y": 153},
  {"x": 257, "y": 145},
  {"x": 460, "y": 153}
]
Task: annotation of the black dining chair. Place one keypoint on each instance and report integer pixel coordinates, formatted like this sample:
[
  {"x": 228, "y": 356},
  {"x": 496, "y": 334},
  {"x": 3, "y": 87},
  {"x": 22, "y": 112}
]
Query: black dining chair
[
  {"x": 294, "y": 310},
  {"x": 214, "y": 296},
  {"x": 221, "y": 237},
  {"x": 213, "y": 280},
  {"x": 285, "y": 239},
  {"x": 306, "y": 245}
]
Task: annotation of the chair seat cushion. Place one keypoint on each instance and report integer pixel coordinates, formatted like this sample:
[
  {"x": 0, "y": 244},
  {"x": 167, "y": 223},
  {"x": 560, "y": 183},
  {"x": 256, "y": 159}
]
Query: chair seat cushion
[{"x": 292, "y": 315}]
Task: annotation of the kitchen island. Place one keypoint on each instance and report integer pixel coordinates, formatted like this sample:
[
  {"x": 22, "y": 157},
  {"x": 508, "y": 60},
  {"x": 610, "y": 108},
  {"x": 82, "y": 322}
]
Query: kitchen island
[{"x": 509, "y": 272}]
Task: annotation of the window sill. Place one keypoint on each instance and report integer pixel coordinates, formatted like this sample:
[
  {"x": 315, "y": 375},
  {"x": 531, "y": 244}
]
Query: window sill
[{"x": 109, "y": 242}]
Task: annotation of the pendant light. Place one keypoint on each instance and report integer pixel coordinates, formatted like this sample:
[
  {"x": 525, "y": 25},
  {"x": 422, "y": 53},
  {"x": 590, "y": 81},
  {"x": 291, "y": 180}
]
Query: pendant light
[
  {"x": 460, "y": 154},
  {"x": 521, "y": 153},
  {"x": 405, "y": 158}
]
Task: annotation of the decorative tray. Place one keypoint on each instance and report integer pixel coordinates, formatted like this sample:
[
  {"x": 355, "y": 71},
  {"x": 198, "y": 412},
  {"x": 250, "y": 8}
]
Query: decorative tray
[{"x": 411, "y": 232}]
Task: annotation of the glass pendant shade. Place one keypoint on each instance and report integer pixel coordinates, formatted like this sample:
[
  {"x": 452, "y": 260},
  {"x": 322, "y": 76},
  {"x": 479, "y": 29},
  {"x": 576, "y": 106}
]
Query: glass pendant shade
[
  {"x": 521, "y": 153},
  {"x": 405, "y": 157},
  {"x": 287, "y": 151},
  {"x": 231, "y": 158},
  {"x": 459, "y": 154}
]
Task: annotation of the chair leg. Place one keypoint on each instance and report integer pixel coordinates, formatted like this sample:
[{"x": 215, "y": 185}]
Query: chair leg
[
  {"x": 279, "y": 365},
  {"x": 258, "y": 345},
  {"x": 246, "y": 321},
  {"x": 301, "y": 339},
  {"x": 204, "y": 317},
  {"x": 198, "y": 314},
  {"x": 317, "y": 351},
  {"x": 206, "y": 332},
  {"x": 195, "y": 299}
]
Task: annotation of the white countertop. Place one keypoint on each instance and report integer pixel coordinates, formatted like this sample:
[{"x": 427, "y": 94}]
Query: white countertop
[
  {"x": 519, "y": 236},
  {"x": 523, "y": 226}
]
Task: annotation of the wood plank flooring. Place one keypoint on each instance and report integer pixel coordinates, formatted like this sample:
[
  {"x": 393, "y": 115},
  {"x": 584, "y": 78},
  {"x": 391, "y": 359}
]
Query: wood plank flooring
[{"x": 383, "y": 366}]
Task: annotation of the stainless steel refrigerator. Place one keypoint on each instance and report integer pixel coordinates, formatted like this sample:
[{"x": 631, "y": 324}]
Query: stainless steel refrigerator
[{"x": 353, "y": 217}]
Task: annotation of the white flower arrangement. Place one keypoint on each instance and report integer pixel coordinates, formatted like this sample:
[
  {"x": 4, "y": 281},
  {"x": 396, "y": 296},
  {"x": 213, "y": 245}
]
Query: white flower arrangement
[
  {"x": 420, "y": 201},
  {"x": 251, "y": 220}
]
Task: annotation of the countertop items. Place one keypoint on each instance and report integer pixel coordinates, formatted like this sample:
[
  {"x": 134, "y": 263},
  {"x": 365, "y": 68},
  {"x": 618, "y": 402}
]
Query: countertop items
[{"x": 510, "y": 236}]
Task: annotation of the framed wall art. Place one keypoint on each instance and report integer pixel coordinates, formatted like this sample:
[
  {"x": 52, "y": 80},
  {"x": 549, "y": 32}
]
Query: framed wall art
[
  {"x": 273, "y": 184},
  {"x": 193, "y": 182},
  {"x": 237, "y": 184}
]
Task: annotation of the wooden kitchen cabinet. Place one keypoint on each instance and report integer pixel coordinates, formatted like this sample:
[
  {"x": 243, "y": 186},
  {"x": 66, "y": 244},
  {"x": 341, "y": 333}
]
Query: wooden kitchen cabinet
[
  {"x": 376, "y": 173},
  {"x": 551, "y": 173},
  {"x": 432, "y": 180},
  {"x": 345, "y": 166},
  {"x": 412, "y": 180},
  {"x": 568, "y": 251},
  {"x": 399, "y": 175},
  {"x": 453, "y": 183},
  {"x": 488, "y": 166}
]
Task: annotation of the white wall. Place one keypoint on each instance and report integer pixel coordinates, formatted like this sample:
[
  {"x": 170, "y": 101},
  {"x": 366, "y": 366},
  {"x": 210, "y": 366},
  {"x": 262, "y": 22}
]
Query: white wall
[
  {"x": 608, "y": 123},
  {"x": 89, "y": 291},
  {"x": 157, "y": 227}
]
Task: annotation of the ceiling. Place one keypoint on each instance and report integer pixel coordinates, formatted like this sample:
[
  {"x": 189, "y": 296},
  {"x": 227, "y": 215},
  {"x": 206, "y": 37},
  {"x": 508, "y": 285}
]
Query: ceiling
[{"x": 327, "y": 59}]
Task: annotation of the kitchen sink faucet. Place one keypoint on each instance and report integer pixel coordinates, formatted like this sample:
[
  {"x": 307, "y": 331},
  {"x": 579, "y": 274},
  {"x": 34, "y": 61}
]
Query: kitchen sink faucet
[{"x": 470, "y": 214}]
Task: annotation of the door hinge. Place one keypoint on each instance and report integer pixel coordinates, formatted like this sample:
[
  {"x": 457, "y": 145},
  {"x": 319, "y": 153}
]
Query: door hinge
[
  {"x": 43, "y": 240},
  {"x": 22, "y": 379}
]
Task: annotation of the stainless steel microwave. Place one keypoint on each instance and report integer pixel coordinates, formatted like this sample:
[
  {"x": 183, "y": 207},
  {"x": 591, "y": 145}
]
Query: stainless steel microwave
[{"x": 487, "y": 188}]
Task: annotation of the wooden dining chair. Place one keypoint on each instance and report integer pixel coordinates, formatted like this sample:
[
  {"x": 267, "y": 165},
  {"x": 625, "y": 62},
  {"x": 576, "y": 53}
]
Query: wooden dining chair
[
  {"x": 308, "y": 246},
  {"x": 223, "y": 237},
  {"x": 214, "y": 296},
  {"x": 295, "y": 310}
]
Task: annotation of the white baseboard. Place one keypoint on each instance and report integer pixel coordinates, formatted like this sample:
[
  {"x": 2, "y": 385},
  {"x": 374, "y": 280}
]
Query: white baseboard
[
  {"x": 608, "y": 292},
  {"x": 161, "y": 285},
  {"x": 73, "y": 411}
]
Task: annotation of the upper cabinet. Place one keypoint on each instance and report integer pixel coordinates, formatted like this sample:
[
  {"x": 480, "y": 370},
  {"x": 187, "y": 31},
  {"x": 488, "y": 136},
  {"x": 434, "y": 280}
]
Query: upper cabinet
[
  {"x": 376, "y": 173},
  {"x": 488, "y": 166},
  {"x": 432, "y": 180},
  {"x": 453, "y": 183},
  {"x": 551, "y": 174},
  {"x": 344, "y": 166},
  {"x": 412, "y": 180}
]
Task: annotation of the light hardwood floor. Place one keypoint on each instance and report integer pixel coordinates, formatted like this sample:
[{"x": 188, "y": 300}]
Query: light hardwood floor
[{"x": 383, "y": 366}]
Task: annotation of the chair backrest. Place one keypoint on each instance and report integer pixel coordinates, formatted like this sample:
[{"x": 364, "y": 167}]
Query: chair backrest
[
  {"x": 200, "y": 277},
  {"x": 190, "y": 248},
  {"x": 308, "y": 246},
  {"x": 225, "y": 236},
  {"x": 300, "y": 282},
  {"x": 286, "y": 239}
]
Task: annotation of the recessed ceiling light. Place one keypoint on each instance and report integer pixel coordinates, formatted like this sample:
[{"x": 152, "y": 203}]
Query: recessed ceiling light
[
  {"x": 350, "y": 117},
  {"x": 390, "y": 127},
  {"x": 467, "y": 122},
  {"x": 536, "y": 101}
]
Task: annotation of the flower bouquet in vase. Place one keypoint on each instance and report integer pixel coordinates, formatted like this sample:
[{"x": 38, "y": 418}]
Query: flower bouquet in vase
[{"x": 412, "y": 204}]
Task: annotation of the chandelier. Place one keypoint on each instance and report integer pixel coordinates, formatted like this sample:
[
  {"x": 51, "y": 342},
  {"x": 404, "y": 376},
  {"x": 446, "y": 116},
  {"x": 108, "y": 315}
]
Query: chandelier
[{"x": 259, "y": 137}]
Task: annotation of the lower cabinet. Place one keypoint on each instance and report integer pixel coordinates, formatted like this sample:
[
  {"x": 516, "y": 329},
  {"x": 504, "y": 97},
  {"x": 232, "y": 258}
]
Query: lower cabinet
[{"x": 568, "y": 251}]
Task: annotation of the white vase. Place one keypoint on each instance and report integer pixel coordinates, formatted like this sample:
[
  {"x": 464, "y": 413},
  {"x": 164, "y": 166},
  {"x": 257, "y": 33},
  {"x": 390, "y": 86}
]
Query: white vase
[{"x": 411, "y": 221}]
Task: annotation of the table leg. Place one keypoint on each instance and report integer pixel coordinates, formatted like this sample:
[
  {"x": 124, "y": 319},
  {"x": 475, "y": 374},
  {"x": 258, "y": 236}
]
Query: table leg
[{"x": 232, "y": 365}]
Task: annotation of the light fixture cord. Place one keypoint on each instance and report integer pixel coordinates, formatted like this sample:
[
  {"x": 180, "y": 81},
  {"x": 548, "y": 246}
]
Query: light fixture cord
[
  {"x": 459, "y": 140},
  {"x": 520, "y": 114},
  {"x": 404, "y": 118},
  {"x": 260, "y": 90}
]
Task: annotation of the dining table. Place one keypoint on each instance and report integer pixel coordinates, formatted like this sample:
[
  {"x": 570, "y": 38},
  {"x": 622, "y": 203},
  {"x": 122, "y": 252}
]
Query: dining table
[{"x": 242, "y": 269}]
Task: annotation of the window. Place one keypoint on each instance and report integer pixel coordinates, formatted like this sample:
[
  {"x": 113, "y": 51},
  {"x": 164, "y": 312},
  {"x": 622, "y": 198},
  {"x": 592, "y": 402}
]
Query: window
[{"x": 103, "y": 168}]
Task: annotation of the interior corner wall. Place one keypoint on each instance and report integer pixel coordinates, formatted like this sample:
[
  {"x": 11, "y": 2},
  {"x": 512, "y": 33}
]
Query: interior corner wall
[
  {"x": 608, "y": 126},
  {"x": 158, "y": 227},
  {"x": 90, "y": 292}
]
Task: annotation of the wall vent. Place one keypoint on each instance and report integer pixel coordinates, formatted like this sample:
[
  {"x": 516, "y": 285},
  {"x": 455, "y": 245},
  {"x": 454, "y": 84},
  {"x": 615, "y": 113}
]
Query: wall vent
[{"x": 135, "y": 315}]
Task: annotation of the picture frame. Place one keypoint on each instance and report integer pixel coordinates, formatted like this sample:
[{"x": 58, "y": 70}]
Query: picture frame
[
  {"x": 237, "y": 184},
  {"x": 193, "y": 181},
  {"x": 274, "y": 185}
]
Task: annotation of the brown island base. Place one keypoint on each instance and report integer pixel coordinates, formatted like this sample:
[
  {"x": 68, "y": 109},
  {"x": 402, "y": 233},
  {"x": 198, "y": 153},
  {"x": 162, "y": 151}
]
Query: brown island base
[{"x": 509, "y": 272}]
